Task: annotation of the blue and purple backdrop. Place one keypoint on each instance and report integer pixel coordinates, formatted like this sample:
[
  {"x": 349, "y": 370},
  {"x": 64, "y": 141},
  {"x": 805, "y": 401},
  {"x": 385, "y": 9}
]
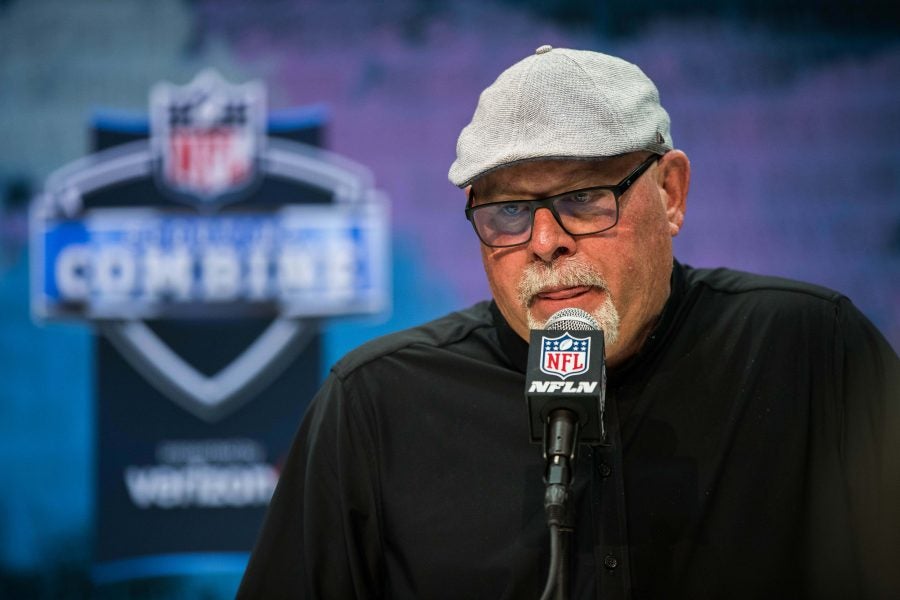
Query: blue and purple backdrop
[{"x": 790, "y": 114}]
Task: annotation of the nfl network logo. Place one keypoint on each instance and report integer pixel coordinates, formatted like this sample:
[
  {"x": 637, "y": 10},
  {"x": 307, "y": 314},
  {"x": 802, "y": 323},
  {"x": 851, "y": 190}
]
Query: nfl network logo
[{"x": 565, "y": 355}]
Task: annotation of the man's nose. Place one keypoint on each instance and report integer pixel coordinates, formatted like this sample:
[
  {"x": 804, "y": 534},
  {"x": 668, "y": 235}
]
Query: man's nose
[{"x": 548, "y": 239}]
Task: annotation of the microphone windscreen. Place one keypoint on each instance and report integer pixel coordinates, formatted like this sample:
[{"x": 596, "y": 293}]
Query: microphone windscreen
[{"x": 572, "y": 319}]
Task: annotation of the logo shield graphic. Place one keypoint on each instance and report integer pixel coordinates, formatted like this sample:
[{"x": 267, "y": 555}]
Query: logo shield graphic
[
  {"x": 565, "y": 355},
  {"x": 206, "y": 137},
  {"x": 120, "y": 265}
]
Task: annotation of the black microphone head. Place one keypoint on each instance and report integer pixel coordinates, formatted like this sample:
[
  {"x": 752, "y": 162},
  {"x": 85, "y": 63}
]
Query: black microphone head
[{"x": 572, "y": 319}]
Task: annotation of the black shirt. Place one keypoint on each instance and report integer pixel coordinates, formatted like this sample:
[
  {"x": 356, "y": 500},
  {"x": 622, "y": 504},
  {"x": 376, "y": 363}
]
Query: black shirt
[{"x": 754, "y": 454}]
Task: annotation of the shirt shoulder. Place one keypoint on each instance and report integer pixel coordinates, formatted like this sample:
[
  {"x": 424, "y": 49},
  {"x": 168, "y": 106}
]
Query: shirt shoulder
[
  {"x": 462, "y": 328},
  {"x": 736, "y": 299},
  {"x": 730, "y": 281}
]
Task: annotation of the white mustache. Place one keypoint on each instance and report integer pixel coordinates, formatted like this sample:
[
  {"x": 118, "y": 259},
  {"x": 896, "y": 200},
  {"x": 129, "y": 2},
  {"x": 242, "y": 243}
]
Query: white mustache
[{"x": 539, "y": 277}]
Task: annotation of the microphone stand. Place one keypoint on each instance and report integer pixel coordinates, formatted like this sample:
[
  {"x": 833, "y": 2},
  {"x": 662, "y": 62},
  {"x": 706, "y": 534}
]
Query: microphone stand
[{"x": 560, "y": 442}]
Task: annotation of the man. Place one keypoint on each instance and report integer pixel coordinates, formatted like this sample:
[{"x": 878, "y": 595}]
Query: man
[{"x": 753, "y": 421}]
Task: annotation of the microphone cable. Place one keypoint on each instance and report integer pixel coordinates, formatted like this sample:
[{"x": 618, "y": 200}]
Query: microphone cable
[{"x": 549, "y": 588}]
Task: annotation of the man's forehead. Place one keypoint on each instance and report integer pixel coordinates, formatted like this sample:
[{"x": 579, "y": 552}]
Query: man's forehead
[{"x": 544, "y": 175}]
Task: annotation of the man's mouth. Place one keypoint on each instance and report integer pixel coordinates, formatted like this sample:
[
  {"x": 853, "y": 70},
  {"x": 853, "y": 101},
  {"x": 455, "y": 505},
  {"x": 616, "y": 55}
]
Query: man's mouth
[{"x": 562, "y": 293}]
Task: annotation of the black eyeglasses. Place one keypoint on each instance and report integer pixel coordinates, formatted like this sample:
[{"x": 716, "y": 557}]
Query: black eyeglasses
[{"x": 579, "y": 212}]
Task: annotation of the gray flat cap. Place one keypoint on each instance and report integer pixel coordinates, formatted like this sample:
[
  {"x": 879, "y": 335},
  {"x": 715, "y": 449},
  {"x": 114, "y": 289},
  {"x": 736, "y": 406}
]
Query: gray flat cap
[{"x": 561, "y": 103}]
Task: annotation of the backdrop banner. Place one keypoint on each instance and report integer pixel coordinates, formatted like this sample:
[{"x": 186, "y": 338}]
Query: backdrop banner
[{"x": 205, "y": 243}]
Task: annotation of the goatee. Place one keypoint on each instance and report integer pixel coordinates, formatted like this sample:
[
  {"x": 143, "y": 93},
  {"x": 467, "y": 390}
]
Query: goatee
[{"x": 574, "y": 272}]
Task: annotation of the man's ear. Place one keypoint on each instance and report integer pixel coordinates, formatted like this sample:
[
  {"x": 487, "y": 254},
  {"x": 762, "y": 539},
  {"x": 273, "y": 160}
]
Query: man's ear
[{"x": 673, "y": 179}]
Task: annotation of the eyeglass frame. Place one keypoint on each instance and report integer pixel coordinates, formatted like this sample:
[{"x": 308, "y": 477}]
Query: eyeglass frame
[{"x": 617, "y": 190}]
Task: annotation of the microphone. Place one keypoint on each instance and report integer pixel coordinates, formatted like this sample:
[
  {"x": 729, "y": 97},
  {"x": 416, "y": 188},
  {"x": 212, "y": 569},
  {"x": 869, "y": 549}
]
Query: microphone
[
  {"x": 565, "y": 392},
  {"x": 567, "y": 370}
]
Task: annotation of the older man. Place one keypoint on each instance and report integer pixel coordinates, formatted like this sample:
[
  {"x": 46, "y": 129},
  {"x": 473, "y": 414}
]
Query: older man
[{"x": 753, "y": 421}]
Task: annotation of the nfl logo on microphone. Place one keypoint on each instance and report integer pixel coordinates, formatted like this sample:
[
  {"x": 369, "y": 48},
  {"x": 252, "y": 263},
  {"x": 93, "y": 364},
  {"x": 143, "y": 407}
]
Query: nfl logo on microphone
[{"x": 565, "y": 355}]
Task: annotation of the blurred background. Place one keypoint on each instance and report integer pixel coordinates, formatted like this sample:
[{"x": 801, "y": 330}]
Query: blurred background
[{"x": 789, "y": 111}]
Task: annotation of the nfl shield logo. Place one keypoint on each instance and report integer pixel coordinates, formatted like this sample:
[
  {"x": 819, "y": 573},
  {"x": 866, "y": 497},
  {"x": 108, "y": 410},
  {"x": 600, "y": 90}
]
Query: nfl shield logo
[
  {"x": 565, "y": 355},
  {"x": 206, "y": 137}
]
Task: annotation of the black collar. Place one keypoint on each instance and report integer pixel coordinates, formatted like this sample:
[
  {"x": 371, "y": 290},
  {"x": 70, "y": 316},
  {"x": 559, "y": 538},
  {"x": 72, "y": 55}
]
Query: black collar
[{"x": 512, "y": 345}]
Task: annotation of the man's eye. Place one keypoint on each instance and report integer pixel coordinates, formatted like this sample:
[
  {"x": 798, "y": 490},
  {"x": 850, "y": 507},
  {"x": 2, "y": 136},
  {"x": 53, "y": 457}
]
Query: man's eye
[
  {"x": 512, "y": 210},
  {"x": 579, "y": 198}
]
